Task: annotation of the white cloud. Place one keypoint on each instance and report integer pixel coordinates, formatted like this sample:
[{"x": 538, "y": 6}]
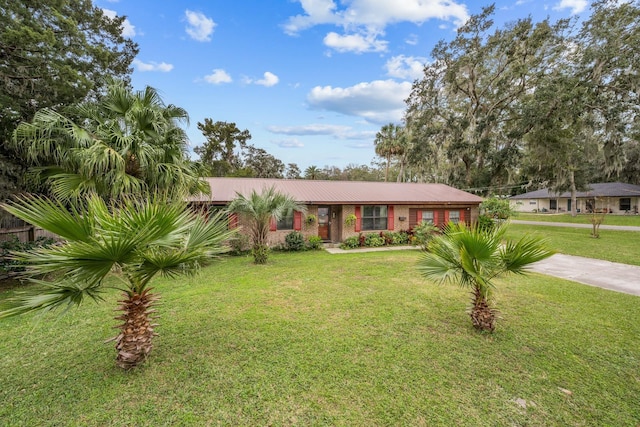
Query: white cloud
[
  {"x": 379, "y": 102},
  {"x": 128, "y": 29},
  {"x": 199, "y": 27},
  {"x": 289, "y": 143},
  {"x": 218, "y": 76},
  {"x": 405, "y": 67},
  {"x": 363, "y": 21},
  {"x": 412, "y": 40},
  {"x": 268, "y": 80},
  {"x": 152, "y": 66},
  {"x": 374, "y": 13},
  {"x": 358, "y": 43},
  {"x": 336, "y": 131},
  {"x": 576, "y": 6}
]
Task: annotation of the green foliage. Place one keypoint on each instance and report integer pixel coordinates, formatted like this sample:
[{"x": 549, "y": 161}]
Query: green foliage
[
  {"x": 486, "y": 223},
  {"x": 135, "y": 239},
  {"x": 497, "y": 208},
  {"x": 259, "y": 209},
  {"x": 260, "y": 254},
  {"x": 310, "y": 220},
  {"x": 350, "y": 220},
  {"x": 128, "y": 142},
  {"x": 239, "y": 244},
  {"x": 474, "y": 258},
  {"x": 54, "y": 54},
  {"x": 314, "y": 242},
  {"x": 219, "y": 154},
  {"x": 423, "y": 233},
  {"x": 374, "y": 240},
  {"x": 351, "y": 242},
  {"x": 8, "y": 264},
  {"x": 294, "y": 241}
]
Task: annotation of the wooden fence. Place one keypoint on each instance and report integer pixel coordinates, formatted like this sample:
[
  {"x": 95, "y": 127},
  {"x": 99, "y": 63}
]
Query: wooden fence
[{"x": 27, "y": 233}]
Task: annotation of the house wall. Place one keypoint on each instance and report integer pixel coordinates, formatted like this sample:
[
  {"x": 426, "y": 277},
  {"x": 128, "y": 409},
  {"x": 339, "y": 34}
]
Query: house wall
[
  {"x": 611, "y": 204},
  {"x": 341, "y": 231}
]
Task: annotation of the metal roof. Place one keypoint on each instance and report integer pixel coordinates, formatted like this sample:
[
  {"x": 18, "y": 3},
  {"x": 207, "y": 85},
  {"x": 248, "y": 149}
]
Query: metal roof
[
  {"x": 605, "y": 189},
  {"x": 223, "y": 190}
]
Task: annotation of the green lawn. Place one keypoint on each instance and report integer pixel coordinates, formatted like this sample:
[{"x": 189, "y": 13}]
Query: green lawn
[
  {"x": 612, "y": 245},
  {"x": 346, "y": 340},
  {"x": 580, "y": 219}
]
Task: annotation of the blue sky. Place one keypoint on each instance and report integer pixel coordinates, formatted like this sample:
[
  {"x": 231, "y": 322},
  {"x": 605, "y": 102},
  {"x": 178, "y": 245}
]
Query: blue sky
[{"x": 312, "y": 80}]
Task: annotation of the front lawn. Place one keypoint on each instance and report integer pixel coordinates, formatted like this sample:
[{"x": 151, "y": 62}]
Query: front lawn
[
  {"x": 347, "y": 340},
  {"x": 612, "y": 245},
  {"x": 633, "y": 220}
]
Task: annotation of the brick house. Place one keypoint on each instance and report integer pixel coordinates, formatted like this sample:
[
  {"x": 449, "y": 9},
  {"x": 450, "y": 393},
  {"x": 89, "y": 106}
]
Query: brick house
[{"x": 377, "y": 206}]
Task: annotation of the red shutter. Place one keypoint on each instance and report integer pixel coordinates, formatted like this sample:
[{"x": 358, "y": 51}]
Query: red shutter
[
  {"x": 418, "y": 217},
  {"x": 273, "y": 224},
  {"x": 446, "y": 217},
  {"x": 436, "y": 219},
  {"x": 462, "y": 220},
  {"x": 358, "y": 218},
  {"x": 233, "y": 220},
  {"x": 297, "y": 220},
  {"x": 389, "y": 217}
]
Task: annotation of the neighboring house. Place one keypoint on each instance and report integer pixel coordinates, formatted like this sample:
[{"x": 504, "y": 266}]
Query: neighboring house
[
  {"x": 611, "y": 197},
  {"x": 377, "y": 206}
]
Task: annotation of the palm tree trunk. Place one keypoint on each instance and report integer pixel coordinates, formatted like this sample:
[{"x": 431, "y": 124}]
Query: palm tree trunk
[
  {"x": 134, "y": 343},
  {"x": 482, "y": 315}
]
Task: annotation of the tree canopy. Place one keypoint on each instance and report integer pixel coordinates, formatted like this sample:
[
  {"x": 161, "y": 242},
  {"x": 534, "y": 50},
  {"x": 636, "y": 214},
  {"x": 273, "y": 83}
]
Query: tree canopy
[{"x": 53, "y": 54}]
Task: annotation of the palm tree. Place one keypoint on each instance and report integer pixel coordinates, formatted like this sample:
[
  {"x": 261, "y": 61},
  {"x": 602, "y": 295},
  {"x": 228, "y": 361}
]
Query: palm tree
[
  {"x": 124, "y": 143},
  {"x": 131, "y": 240},
  {"x": 312, "y": 172},
  {"x": 260, "y": 210},
  {"x": 473, "y": 258},
  {"x": 389, "y": 143}
]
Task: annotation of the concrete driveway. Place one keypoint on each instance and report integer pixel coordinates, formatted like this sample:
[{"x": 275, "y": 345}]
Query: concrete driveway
[{"x": 604, "y": 274}]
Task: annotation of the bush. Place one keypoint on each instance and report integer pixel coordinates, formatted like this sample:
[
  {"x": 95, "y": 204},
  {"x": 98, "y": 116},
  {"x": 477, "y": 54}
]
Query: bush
[
  {"x": 374, "y": 240},
  {"x": 8, "y": 265},
  {"x": 239, "y": 244},
  {"x": 423, "y": 233},
  {"x": 350, "y": 242},
  {"x": 486, "y": 223},
  {"x": 294, "y": 241},
  {"x": 315, "y": 242}
]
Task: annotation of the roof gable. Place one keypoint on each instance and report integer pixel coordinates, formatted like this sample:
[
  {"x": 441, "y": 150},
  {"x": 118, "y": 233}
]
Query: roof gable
[{"x": 223, "y": 190}]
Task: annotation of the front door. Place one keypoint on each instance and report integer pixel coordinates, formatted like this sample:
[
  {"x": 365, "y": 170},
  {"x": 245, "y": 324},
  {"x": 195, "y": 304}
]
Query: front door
[{"x": 324, "y": 222}]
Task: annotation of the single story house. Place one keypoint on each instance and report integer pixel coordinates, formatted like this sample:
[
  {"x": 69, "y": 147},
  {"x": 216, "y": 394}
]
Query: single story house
[
  {"x": 374, "y": 206},
  {"x": 611, "y": 197}
]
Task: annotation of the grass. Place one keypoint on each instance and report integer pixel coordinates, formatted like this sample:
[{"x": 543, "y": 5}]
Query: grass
[
  {"x": 344, "y": 340},
  {"x": 612, "y": 245},
  {"x": 633, "y": 220}
]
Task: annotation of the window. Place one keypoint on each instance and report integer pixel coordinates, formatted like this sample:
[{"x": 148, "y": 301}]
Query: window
[
  {"x": 454, "y": 216},
  {"x": 625, "y": 203},
  {"x": 286, "y": 222},
  {"x": 374, "y": 217},
  {"x": 427, "y": 216},
  {"x": 553, "y": 204}
]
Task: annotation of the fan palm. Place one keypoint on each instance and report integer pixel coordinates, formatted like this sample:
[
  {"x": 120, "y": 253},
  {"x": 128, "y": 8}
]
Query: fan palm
[
  {"x": 473, "y": 258},
  {"x": 259, "y": 209},
  {"x": 127, "y": 142},
  {"x": 132, "y": 240}
]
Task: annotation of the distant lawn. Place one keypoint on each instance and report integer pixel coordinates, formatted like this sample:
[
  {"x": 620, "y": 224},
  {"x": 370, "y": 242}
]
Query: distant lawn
[
  {"x": 347, "y": 340},
  {"x": 613, "y": 245},
  {"x": 580, "y": 218}
]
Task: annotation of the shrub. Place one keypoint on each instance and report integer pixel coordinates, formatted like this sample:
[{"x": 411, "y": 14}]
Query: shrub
[
  {"x": 423, "y": 233},
  {"x": 350, "y": 242},
  {"x": 294, "y": 241},
  {"x": 239, "y": 244},
  {"x": 315, "y": 242},
  {"x": 486, "y": 223},
  {"x": 373, "y": 240},
  {"x": 8, "y": 265}
]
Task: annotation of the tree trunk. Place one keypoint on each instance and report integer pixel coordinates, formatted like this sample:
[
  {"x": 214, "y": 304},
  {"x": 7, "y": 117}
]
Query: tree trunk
[
  {"x": 134, "y": 343},
  {"x": 574, "y": 193},
  {"x": 483, "y": 317}
]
